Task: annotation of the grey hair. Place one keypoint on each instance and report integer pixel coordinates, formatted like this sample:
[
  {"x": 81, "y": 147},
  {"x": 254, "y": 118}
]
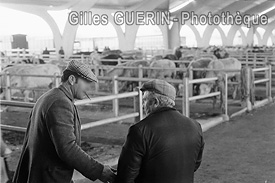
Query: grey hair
[{"x": 163, "y": 101}]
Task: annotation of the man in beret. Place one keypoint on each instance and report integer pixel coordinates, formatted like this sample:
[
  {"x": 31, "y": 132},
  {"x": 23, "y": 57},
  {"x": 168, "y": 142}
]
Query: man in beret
[
  {"x": 51, "y": 149},
  {"x": 165, "y": 147}
]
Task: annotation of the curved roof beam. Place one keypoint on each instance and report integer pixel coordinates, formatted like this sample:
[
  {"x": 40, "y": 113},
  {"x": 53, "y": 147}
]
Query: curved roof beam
[
  {"x": 146, "y": 5},
  {"x": 213, "y": 6},
  {"x": 259, "y": 8},
  {"x": 236, "y": 5},
  {"x": 67, "y": 5}
]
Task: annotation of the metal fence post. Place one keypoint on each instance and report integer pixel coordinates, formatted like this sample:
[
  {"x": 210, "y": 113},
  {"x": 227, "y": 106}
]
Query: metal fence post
[
  {"x": 138, "y": 105},
  {"x": 140, "y": 75},
  {"x": 185, "y": 101},
  {"x": 18, "y": 54},
  {"x": 119, "y": 61},
  {"x": 82, "y": 58},
  {"x": 255, "y": 60},
  {"x": 24, "y": 53},
  {"x": 266, "y": 60},
  {"x": 56, "y": 82},
  {"x": 2, "y": 60},
  {"x": 115, "y": 91},
  {"x": 248, "y": 73},
  {"x": 191, "y": 76},
  {"x": 246, "y": 59},
  {"x": 97, "y": 74},
  {"x": 269, "y": 83},
  {"x": 183, "y": 97},
  {"x": 8, "y": 85},
  {"x": 225, "y": 98}
]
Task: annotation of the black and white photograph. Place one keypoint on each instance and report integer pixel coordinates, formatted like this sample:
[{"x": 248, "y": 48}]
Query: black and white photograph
[{"x": 137, "y": 91}]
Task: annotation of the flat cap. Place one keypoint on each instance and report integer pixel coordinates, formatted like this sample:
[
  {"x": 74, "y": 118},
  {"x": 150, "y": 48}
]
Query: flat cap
[
  {"x": 161, "y": 87},
  {"x": 82, "y": 70}
]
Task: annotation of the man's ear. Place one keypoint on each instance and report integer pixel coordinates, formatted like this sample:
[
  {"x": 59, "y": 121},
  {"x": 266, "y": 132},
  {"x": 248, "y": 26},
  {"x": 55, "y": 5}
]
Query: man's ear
[
  {"x": 156, "y": 102},
  {"x": 72, "y": 79}
]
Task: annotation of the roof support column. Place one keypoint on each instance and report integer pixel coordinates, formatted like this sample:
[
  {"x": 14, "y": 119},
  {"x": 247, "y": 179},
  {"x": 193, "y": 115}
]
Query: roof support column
[
  {"x": 126, "y": 40},
  {"x": 250, "y": 36},
  {"x": 232, "y": 33},
  {"x": 70, "y": 30},
  {"x": 268, "y": 33},
  {"x": 174, "y": 36},
  {"x": 208, "y": 34},
  {"x": 55, "y": 30}
]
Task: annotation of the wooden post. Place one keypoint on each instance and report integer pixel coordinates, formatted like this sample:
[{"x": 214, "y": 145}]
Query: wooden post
[
  {"x": 140, "y": 75},
  {"x": 115, "y": 101},
  {"x": 185, "y": 98},
  {"x": 8, "y": 85}
]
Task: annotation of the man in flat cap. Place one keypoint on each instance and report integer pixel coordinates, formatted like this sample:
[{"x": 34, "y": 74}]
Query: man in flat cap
[
  {"x": 51, "y": 149},
  {"x": 165, "y": 147}
]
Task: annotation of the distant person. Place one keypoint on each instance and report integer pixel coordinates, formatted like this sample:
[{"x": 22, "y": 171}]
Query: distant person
[
  {"x": 165, "y": 147},
  {"x": 45, "y": 53},
  {"x": 51, "y": 149},
  {"x": 178, "y": 52},
  {"x": 96, "y": 49},
  {"x": 61, "y": 52}
]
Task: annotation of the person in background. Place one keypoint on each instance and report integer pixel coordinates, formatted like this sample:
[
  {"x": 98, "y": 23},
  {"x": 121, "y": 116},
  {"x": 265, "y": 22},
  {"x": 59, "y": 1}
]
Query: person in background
[
  {"x": 178, "y": 52},
  {"x": 61, "y": 53},
  {"x": 165, "y": 147},
  {"x": 45, "y": 53},
  {"x": 51, "y": 149}
]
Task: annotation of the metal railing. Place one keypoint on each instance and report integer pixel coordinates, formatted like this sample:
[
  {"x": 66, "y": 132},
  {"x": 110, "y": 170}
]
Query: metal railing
[{"x": 186, "y": 98}]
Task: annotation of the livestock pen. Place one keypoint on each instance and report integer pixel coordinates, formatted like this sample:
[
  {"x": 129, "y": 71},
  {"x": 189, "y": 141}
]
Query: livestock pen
[{"x": 185, "y": 103}]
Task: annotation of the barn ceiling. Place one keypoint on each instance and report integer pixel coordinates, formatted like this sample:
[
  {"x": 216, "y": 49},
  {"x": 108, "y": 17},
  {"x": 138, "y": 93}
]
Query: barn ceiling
[{"x": 198, "y": 6}]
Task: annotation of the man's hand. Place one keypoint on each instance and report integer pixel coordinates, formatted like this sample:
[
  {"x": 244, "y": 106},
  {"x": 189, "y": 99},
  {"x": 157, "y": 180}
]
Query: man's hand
[
  {"x": 107, "y": 176},
  {"x": 6, "y": 153}
]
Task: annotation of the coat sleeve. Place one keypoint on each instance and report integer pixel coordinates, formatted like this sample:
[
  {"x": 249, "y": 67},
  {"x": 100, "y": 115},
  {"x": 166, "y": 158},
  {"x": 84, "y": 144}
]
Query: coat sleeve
[
  {"x": 60, "y": 124},
  {"x": 3, "y": 145},
  {"x": 131, "y": 156},
  {"x": 199, "y": 158}
]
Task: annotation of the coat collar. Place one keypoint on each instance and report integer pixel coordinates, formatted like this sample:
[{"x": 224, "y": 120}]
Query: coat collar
[
  {"x": 161, "y": 109},
  {"x": 67, "y": 92}
]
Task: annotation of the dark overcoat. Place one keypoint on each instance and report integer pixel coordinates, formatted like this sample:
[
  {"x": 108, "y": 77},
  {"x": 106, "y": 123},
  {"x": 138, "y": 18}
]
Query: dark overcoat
[
  {"x": 51, "y": 149},
  {"x": 165, "y": 147}
]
